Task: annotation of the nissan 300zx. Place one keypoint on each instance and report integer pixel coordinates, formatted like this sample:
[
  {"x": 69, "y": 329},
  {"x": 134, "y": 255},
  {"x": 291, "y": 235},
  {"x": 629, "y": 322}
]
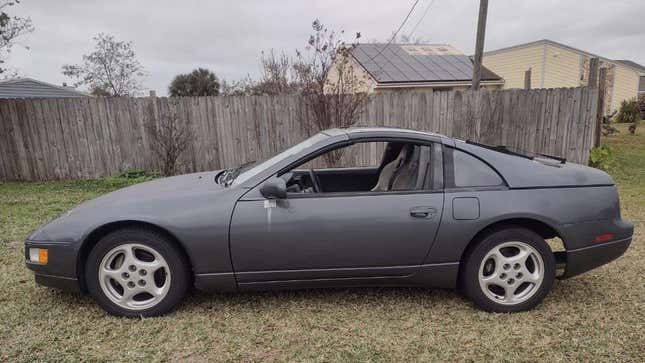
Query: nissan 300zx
[{"x": 429, "y": 211}]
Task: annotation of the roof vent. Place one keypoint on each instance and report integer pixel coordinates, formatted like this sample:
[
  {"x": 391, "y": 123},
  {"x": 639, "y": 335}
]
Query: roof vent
[{"x": 430, "y": 49}]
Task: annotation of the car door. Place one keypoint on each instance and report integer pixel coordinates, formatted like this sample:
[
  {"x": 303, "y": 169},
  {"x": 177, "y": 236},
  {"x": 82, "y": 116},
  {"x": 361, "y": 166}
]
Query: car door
[{"x": 337, "y": 235}]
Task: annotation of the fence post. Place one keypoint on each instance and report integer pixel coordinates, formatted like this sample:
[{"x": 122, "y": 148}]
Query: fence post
[
  {"x": 597, "y": 78},
  {"x": 592, "y": 81},
  {"x": 527, "y": 79}
]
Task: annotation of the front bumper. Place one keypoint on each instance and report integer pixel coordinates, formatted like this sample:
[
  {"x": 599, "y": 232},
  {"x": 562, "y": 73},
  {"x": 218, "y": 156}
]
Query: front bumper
[
  {"x": 60, "y": 270},
  {"x": 58, "y": 282}
]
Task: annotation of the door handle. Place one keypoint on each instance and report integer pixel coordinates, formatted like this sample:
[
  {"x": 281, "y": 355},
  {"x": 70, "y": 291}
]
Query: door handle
[{"x": 423, "y": 212}]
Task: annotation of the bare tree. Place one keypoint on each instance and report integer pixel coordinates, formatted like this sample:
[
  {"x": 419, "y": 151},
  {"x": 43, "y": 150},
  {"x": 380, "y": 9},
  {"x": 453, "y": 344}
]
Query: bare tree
[
  {"x": 111, "y": 67},
  {"x": 169, "y": 140},
  {"x": 330, "y": 83},
  {"x": 11, "y": 28},
  {"x": 277, "y": 74},
  {"x": 243, "y": 87},
  {"x": 277, "y": 78},
  {"x": 324, "y": 74},
  {"x": 100, "y": 92}
]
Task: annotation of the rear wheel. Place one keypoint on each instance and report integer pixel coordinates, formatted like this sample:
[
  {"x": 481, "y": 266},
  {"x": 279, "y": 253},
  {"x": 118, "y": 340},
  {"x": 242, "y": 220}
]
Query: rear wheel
[
  {"x": 509, "y": 270},
  {"x": 137, "y": 272}
]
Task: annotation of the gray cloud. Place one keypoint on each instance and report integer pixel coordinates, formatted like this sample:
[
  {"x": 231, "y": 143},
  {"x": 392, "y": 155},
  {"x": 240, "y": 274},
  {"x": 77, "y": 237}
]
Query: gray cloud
[{"x": 172, "y": 37}]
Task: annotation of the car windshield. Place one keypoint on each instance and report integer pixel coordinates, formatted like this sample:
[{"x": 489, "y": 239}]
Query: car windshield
[{"x": 246, "y": 175}]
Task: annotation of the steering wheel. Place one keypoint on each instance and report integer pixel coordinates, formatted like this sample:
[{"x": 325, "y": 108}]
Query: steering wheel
[{"x": 314, "y": 181}]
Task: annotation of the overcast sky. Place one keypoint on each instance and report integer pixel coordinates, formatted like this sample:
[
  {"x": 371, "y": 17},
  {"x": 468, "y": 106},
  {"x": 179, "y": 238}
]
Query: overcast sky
[{"x": 172, "y": 37}]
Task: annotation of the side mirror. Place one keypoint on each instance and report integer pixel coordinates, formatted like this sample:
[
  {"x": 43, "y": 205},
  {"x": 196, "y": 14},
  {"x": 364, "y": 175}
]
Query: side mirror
[{"x": 274, "y": 188}]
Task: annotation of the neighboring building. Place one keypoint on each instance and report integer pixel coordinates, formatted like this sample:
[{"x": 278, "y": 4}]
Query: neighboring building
[
  {"x": 634, "y": 65},
  {"x": 31, "y": 88},
  {"x": 557, "y": 65},
  {"x": 385, "y": 67}
]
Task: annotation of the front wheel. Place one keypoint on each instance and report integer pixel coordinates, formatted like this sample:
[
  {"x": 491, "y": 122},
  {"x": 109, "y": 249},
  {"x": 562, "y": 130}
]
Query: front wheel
[
  {"x": 136, "y": 272},
  {"x": 509, "y": 270}
]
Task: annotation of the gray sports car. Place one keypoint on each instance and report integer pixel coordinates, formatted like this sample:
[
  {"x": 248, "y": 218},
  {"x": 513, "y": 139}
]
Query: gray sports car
[{"x": 429, "y": 211}]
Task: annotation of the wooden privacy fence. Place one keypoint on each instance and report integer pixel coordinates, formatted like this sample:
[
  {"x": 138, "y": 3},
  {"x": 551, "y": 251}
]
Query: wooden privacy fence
[{"x": 44, "y": 139}]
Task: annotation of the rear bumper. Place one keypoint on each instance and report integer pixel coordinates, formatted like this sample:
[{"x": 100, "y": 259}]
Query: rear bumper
[{"x": 586, "y": 258}]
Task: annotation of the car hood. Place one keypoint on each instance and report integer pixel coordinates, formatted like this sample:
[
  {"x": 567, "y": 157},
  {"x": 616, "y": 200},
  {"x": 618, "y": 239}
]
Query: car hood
[
  {"x": 161, "y": 201},
  {"x": 163, "y": 188}
]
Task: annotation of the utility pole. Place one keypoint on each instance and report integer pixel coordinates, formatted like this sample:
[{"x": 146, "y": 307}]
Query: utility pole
[{"x": 479, "y": 44}]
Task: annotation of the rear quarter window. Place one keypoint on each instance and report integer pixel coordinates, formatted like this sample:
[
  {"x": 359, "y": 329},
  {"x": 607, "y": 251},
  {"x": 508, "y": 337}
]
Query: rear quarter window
[{"x": 469, "y": 171}]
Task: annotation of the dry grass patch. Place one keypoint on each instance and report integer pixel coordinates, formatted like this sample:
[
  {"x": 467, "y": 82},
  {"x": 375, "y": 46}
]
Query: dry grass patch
[{"x": 597, "y": 316}]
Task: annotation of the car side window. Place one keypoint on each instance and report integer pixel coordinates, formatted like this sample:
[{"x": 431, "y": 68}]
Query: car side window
[
  {"x": 370, "y": 166},
  {"x": 469, "y": 171}
]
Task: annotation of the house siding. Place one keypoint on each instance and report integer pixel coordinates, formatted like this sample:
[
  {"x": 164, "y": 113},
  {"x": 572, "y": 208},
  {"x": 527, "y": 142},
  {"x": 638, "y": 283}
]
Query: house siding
[
  {"x": 511, "y": 65},
  {"x": 626, "y": 83},
  {"x": 554, "y": 65},
  {"x": 364, "y": 82},
  {"x": 562, "y": 67}
]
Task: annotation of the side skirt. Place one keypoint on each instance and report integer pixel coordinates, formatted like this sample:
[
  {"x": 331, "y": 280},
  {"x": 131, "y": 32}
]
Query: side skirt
[
  {"x": 431, "y": 276},
  {"x": 216, "y": 282}
]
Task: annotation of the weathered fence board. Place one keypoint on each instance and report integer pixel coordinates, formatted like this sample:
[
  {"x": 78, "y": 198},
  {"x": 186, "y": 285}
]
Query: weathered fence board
[{"x": 90, "y": 137}]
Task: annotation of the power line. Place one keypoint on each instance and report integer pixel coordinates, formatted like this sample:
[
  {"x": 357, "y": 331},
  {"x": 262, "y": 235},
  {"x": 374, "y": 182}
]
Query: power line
[
  {"x": 397, "y": 31},
  {"x": 422, "y": 17}
]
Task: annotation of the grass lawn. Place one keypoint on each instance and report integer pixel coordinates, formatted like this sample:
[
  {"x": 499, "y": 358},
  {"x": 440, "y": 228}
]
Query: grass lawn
[{"x": 597, "y": 316}]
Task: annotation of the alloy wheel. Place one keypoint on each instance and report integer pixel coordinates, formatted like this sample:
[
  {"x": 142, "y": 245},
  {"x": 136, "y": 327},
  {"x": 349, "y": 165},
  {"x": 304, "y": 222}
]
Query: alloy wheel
[
  {"x": 511, "y": 273},
  {"x": 134, "y": 276}
]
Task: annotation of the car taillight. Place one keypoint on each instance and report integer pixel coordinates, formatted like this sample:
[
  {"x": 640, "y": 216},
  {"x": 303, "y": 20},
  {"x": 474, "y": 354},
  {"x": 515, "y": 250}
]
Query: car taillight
[{"x": 603, "y": 237}]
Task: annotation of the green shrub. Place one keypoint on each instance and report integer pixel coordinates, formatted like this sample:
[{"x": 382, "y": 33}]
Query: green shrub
[
  {"x": 601, "y": 157},
  {"x": 628, "y": 112}
]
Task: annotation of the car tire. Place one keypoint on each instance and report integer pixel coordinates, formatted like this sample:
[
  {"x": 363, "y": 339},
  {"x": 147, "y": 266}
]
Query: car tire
[
  {"x": 508, "y": 270},
  {"x": 137, "y": 272}
]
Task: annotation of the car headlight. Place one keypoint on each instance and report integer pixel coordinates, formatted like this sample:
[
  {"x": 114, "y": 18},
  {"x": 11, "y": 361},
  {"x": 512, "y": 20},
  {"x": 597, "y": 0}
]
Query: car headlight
[{"x": 38, "y": 255}]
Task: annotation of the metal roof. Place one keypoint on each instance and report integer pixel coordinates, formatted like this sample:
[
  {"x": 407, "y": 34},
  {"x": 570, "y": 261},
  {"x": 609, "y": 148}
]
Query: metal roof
[
  {"x": 31, "y": 88},
  {"x": 388, "y": 63}
]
